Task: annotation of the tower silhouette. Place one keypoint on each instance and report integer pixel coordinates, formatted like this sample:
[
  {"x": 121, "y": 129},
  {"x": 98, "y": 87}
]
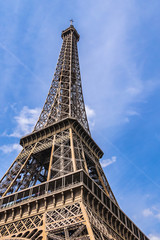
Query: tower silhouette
[{"x": 56, "y": 188}]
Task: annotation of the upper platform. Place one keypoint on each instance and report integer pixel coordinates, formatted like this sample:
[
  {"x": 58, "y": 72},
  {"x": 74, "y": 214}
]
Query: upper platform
[
  {"x": 69, "y": 30},
  {"x": 57, "y": 127}
]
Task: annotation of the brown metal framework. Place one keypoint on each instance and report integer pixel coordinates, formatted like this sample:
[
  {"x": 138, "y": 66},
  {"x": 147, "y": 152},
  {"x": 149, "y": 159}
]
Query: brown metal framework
[
  {"x": 65, "y": 98},
  {"x": 56, "y": 187}
]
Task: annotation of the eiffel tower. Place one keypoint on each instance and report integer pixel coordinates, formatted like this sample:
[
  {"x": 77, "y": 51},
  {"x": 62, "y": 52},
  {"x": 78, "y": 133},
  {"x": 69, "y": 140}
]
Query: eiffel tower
[{"x": 56, "y": 188}]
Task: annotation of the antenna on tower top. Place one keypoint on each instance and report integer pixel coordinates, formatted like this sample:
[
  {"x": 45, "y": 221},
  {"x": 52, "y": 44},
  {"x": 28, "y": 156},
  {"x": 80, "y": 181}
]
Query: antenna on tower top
[{"x": 71, "y": 22}]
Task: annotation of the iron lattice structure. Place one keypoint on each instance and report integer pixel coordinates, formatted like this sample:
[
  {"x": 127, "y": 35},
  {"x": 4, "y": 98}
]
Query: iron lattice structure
[{"x": 56, "y": 188}]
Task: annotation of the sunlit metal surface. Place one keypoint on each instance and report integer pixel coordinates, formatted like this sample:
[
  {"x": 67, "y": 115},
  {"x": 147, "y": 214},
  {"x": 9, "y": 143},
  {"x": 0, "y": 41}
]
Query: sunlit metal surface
[{"x": 56, "y": 188}]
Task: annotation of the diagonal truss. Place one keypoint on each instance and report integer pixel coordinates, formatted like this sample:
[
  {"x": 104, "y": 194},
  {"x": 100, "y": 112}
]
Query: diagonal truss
[
  {"x": 65, "y": 98},
  {"x": 67, "y": 150},
  {"x": 51, "y": 157},
  {"x": 28, "y": 228},
  {"x": 77, "y": 221},
  {"x": 67, "y": 223}
]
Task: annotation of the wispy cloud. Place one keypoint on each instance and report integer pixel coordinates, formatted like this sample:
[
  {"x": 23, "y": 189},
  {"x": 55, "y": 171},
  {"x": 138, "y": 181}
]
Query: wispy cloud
[
  {"x": 90, "y": 112},
  {"x": 147, "y": 212},
  {"x": 129, "y": 114},
  {"x": 153, "y": 211},
  {"x": 10, "y": 148},
  {"x": 109, "y": 161},
  {"x": 91, "y": 115},
  {"x": 132, "y": 113},
  {"x": 25, "y": 121},
  {"x": 154, "y": 237},
  {"x": 16, "y": 58},
  {"x": 118, "y": 78}
]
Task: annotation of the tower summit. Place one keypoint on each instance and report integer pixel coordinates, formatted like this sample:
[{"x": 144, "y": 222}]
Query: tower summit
[
  {"x": 65, "y": 98},
  {"x": 56, "y": 187}
]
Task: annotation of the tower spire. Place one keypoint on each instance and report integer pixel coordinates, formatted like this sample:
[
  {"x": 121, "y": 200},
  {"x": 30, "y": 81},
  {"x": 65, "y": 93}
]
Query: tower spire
[
  {"x": 71, "y": 22},
  {"x": 65, "y": 98}
]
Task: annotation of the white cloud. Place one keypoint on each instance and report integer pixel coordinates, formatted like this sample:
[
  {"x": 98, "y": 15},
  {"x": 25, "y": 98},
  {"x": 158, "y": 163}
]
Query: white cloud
[
  {"x": 16, "y": 58},
  {"x": 117, "y": 82},
  {"x": 10, "y": 148},
  {"x": 156, "y": 212},
  {"x": 90, "y": 112},
  {"x": 153, "y": 211},
  {"x": 109, "y": 161},
  {"x": 90, "y": 115},
  {"x": 158, "y": 216},
  {"x": 147, "y": 212},
  {"x": 129, "y": 114},
  {"x": 126, "y": 120},
  {"x": 154, "y": 237},
  {"x": 132, "y": 113},
  {"x": 25, "y": 121},
  {"x": 133, "y": 91}
]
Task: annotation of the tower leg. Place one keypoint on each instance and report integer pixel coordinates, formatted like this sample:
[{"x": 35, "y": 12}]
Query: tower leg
[
  {"x": 88, "y": 225},
  {"x": 44, "y": 227}
]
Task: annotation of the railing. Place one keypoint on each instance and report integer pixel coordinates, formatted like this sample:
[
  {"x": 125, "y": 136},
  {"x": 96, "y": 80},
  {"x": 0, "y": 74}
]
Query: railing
[
  {"x": 53, "y": 185},
  {"x": 68, "y": 181},
  {"x": 112, "y": 207}
]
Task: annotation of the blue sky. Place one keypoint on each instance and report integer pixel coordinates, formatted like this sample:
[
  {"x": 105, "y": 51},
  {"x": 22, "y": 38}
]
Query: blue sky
[{"x": 119, "y": 55}]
